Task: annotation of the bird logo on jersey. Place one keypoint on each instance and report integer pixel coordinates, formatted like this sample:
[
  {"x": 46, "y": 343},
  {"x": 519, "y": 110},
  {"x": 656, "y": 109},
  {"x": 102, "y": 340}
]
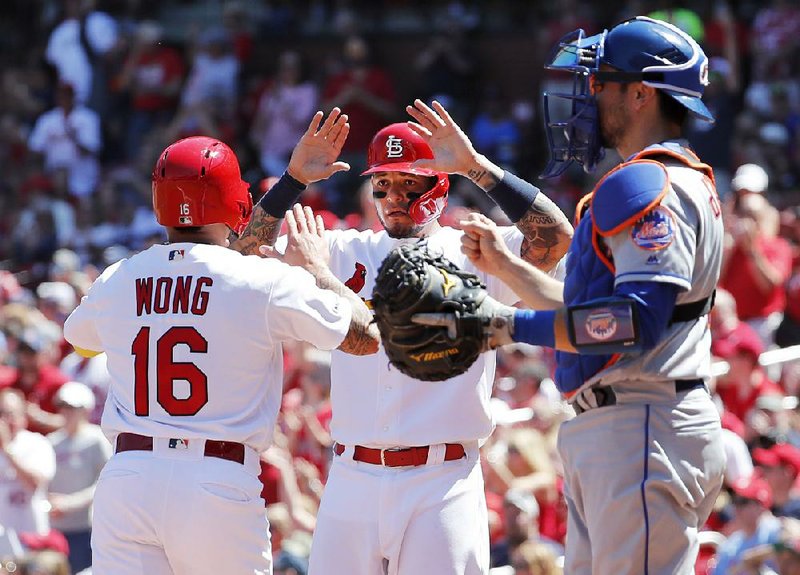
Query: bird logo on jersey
[
  {"x": 601, "y": 325},
  {"x": 654, "y": 230},
  {"x": 359, "y": 278}
]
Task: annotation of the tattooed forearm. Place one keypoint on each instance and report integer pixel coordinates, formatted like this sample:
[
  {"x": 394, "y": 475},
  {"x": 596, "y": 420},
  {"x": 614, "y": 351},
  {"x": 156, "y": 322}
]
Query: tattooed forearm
[
  {"x": 547, "y": 233},
  {"x": 263, "y": 229},
  {"x": 362, "y": 338},
  {"x": 482, "y": 178}
]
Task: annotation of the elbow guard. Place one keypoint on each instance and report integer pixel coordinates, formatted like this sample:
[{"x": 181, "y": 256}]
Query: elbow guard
[{"x": 605, "y": 326}]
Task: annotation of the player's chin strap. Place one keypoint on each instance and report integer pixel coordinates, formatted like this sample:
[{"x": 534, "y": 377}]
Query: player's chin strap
[{"x": 694, "y": 310}]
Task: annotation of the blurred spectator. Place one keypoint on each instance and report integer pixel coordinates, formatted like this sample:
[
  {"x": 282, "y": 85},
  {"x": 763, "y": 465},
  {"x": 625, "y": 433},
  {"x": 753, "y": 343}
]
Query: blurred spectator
[
  {"x": 521, "y": 519},
  {"x": 756, "y": 265},
  {"x": 27, "y": 464},
  {"x": 284, "y": 110},
  {"x": 535, "y": 558},
  {"x": 37, "y": 378},
  {"x": 77, "y": 47},
  {"x": 755, "y": 525},
  {"x": 740, "y": 464},
  {"x": 237, "y": 21},
  {"x": 788, "y": 332},
  {"x": 446, "y": 68},
  {"x": 713, "y": 141},
  {"x": 748, "y": 179},
  {"x": 152, "y": 76},
  {"x": 775, "y": 40},
  {"x": 209, "y": 97},
  {"x": 746, "y": 380},
  {"x": 495, "y": 131},
  {"x": 366, "y": 94},
  {"x": 81, "y": 452},
  {"x": 69, "y": 139},
  {"x": 780, "y": 466}
]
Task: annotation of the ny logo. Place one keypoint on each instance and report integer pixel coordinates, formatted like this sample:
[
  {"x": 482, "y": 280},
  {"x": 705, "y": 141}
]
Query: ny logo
[{"x": 394, "y": 147}]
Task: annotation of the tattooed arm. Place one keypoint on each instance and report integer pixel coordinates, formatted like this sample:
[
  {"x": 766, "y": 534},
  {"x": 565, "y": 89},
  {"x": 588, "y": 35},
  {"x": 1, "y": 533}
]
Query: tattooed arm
[
  {"x": 314, "y": 158},
  {"x": 545, "y": 227}
]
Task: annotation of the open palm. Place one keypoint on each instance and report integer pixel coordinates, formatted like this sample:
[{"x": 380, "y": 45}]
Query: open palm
[
  {"x": 314, "y": 157},
  {"x": 452, "y": 150}
]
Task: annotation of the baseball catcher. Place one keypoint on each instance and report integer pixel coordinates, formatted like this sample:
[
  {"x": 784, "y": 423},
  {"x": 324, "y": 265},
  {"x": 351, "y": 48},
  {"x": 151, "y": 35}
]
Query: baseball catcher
[{"x": 435, "y": 318}]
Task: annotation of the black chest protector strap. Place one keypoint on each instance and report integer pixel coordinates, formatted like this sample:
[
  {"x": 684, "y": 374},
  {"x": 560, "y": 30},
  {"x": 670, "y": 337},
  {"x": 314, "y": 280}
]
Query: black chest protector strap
[{"x": 694, "y": 310}]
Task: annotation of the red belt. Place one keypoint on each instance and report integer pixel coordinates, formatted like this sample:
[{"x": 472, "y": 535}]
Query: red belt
[
  {"x": 229, "y": 450},
  {"x": 409, "y": 456}
]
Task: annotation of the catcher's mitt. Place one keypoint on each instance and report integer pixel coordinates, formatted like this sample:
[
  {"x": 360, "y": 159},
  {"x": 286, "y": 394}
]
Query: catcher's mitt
[{"x": 412, "y": 280}]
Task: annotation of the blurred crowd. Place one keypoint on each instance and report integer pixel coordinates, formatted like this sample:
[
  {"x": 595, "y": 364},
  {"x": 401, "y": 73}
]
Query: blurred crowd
[{"x": 93, "y": 90}]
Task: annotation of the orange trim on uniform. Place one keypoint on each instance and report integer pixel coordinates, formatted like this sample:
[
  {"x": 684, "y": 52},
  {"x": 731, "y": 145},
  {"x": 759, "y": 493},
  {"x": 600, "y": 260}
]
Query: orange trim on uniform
[
  {"x": 601, "y": 254},
  {"x": 579, "y": 208},
  {"x": 697, "y": 164},
  {"x": 612, "y": 360},
  {"x": 632, "y": 219}
]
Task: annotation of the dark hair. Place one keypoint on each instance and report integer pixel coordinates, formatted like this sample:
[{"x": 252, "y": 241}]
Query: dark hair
[{"x": 672, "y": 110}]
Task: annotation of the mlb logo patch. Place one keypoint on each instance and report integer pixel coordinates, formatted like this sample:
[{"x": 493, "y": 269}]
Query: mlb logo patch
[
  {"x": 185, "y": 220},
  {"x": 176, "y": 443},
  {"x": 175, "y": 255}
]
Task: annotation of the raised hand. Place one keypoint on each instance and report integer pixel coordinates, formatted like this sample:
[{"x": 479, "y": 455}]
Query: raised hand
[
  {"x": 452, "y": 150},
  {"x": 314, "y": 156},
  {"x": 306, "y": 246}
]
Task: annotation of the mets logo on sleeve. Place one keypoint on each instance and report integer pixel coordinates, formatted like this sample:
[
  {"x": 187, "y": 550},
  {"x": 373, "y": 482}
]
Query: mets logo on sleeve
[
  {"x": 655, "y": 230},
  {"x": 601, "y": 324}
]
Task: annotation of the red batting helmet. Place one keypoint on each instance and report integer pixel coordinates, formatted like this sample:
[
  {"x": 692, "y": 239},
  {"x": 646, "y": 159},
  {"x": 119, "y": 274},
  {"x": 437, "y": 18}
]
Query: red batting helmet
[
  {"x": 394, "y": 149},
  {"x": 197, "y": 182}
]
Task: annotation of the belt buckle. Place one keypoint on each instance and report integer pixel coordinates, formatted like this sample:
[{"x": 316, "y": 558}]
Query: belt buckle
[{"x": 383, "y": 454}]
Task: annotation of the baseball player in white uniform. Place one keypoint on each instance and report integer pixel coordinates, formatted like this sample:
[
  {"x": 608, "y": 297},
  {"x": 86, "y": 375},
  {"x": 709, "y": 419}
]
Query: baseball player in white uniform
[
  {"x": 405, "y": 491},
  {"x": 643, "y": 460},
  {"x": 193, "y": 332}
]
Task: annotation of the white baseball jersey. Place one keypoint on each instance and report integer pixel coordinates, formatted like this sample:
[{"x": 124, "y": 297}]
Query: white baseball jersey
[
  {"x": 691, "y": 260},
  {"x": 375, "y": 405},
  {"x": 193, "y": 337},
  {"x": 22, "y": 508}
]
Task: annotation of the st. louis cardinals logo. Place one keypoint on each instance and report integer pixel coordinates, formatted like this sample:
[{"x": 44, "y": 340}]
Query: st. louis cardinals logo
[
  {"x": 359, "y": 278},
  {"x": 394, "y": 147},
  {"x": 601, "y": 324}
]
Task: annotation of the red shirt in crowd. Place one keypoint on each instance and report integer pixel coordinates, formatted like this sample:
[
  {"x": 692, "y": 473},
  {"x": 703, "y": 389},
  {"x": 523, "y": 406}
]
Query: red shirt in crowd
[
  {"x": 739, "y": 279},
  {"x": 740, "y": 405},
  {"x": 155, "y": 69}
]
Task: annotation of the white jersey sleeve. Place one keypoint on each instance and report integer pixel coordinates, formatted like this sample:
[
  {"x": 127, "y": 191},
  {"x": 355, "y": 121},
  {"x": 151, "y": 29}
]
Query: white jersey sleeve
[
  {"x": 80, "y": 329},
  {"x": 299, "y": 310}
]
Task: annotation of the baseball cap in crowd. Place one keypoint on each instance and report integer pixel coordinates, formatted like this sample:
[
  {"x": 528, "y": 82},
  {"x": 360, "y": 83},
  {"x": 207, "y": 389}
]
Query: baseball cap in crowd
[
  {"x": 753, "y": 488},
  {"x": 60, "y": 293},
  {"x": 75, "y": 394},
  {"x": 743, "y": 339},
  {"x": 522, "y": 500},
  {"x": 750, "y": 178},
  {"x": 779, "y": 454}
]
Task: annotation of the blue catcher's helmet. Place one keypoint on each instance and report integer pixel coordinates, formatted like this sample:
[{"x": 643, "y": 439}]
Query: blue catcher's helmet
[{"x": 641, "y": 49}]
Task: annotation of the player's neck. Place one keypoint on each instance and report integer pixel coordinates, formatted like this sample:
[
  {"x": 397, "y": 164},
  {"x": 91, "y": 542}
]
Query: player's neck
[{"x": 642, "y": 135}]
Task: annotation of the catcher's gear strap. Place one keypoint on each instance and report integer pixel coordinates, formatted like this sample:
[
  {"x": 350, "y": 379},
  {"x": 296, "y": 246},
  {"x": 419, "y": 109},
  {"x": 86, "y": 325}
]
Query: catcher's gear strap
[
  {"x": 603, "y": 326},
  {"x": 626, "y": 193},
  {"x": 514, "y": 195},
  {"x": 694, "y": 310},
  {"x": 281, "y": 196}
]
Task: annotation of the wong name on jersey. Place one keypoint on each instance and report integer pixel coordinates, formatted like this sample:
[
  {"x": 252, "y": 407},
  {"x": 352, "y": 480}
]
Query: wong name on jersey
[{"x": 166, "y": 294}]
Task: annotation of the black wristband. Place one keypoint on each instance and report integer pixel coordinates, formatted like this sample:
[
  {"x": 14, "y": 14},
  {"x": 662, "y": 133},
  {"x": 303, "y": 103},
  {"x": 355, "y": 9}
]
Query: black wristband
[
  {"x": 514, "y": 195},
  {"x": 281, "y": 196}
]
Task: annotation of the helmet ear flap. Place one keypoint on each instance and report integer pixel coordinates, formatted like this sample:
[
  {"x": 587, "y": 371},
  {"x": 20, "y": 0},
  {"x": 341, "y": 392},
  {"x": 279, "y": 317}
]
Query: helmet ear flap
[{"x": 432, "y": 203}]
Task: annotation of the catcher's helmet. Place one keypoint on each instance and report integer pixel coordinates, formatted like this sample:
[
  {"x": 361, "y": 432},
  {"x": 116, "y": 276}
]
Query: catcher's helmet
[
  {"x": 197, "y": 182},
  {"x": 394, "y": 149},
  {"x": 641, "y": 49}
]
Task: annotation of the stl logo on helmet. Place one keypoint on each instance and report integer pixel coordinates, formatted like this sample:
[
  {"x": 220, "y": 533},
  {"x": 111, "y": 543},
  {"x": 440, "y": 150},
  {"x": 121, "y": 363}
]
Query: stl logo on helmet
[{"x": 394, "y": 147}]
